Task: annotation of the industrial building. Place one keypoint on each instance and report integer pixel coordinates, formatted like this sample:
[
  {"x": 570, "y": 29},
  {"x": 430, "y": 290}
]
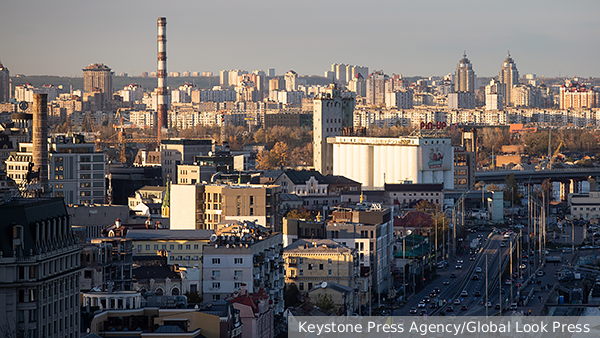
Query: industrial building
[{"x": 375, "y": 161}]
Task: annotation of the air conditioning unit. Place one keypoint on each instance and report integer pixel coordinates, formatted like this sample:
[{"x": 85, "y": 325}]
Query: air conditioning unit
[
  {"x": 235, "y": 277},
  {"x": 214, "y": 277}
]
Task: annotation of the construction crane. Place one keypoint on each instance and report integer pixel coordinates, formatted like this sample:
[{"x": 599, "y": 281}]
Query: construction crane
[{"x": 556, "y": 152}]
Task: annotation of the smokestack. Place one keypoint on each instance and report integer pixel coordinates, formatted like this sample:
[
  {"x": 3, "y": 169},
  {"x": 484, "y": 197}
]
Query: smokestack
[
  {"x": 40, "y": 138},
  {"x": 162, "y": 78}
]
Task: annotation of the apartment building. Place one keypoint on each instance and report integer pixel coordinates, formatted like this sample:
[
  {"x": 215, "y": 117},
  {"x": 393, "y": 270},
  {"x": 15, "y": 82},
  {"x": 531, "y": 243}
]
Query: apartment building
[
  {"x": 203, "y": 206},
  {"x": 244, "y": 255},
  {"x": 174, "y": 152}
]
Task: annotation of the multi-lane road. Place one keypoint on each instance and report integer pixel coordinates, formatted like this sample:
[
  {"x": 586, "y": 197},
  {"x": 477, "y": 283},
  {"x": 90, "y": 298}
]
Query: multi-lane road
[{"x": 461, "y": 289}]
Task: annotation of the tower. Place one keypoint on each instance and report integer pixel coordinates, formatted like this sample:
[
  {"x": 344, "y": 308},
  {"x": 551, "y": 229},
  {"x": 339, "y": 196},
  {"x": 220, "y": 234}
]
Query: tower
[
  {"x": 291, "y": 78},
  {"x": 4, "y": 83},
  {"x": 97, "y": 77},
  {"x": 332, "y": 111},
  {"x": 509, "y": 77},
  {"x": 161, "y": 88},
  {"x": 464, "y": 76},
  {"x": 40, "y": 139}
]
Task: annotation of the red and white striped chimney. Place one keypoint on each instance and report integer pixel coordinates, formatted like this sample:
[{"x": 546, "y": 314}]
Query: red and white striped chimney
[{"x": 162, "y": 99}]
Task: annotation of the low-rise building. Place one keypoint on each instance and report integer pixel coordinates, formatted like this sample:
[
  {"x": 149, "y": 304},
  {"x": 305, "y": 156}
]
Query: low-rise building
[{"x": 585, "y": 206}]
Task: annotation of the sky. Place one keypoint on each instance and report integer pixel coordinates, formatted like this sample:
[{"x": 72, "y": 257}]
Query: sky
[{"x": 413, "y": 38}]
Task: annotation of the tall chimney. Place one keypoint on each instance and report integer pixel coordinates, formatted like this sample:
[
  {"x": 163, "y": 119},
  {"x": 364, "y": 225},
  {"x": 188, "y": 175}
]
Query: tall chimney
[
  {"x": 162, "y": 78},
  {"x": 40, "y": 138}
]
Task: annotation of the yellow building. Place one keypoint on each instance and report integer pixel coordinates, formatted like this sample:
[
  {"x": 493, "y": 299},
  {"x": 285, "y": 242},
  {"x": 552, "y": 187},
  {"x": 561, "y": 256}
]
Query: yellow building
[
  {"x": 309, "y": 263},
  {"x": 184, "y": 247}
]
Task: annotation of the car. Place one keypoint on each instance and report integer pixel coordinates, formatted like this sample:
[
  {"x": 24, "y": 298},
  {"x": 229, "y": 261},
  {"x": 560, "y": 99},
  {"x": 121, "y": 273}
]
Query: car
[
  {"x": 513, "y": 306},
  {"x": 460, "y": 261},
  {"x": 433, "y": 305},
  {"x": 477, "y": 293},
  {"x": 464, "y": 293},
  {"x": 478, "y": 269},
  {"x": 507, "y": 282},
  {"x": 463, "y": 308},
  {"x": 475, "y": 277},
  {"x": 458, "y": 266},
  {"x": 522, "y": 266},
  {"x": 436, "y": 290},
  {"x": 540, "y": 273},
  {"x": 502, "y": 244},
  {"x": 423, "y": 313},
  {"x": 432, "y": 294},
  {"x": 489, "y": 304},
  {"x": 446, "y": 282},
  {"x": 413, "y": 310},
  {"x": 426, "y": 299},
  {"x": 531, "y": 261},
  {"x": 471, "y": 258},
  {"x": 452, "y": 275},
  {"x": 421, "y": 305},
  {"x": 457, "y": 301},
  {"x": 497, "y": 307},
  {"x": 449, "y": 309}
]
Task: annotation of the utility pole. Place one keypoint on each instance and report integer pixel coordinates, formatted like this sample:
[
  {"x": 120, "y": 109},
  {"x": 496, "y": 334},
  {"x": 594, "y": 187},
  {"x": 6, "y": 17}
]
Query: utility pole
[
  {"x": 486, "y": 285},
  {"x": 500, "y": 276},
  {"x": 512, "y": 282}
]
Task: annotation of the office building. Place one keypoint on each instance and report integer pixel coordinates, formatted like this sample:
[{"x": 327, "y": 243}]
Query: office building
[
  {"x": 4, "y": 84},
  {"x": 464, "y": 77},
  {"x": 76, "y": 171},
  {"x": 509, "y": 77},
  {"x": 174, "y": 152},
  {"x": 332, "y": 112},
  {"x": 291, "y": 79},
  {"x": 98, "y": 77},
  {"x": 40, "y": 269},
  {"x": 375, "y": 161}
]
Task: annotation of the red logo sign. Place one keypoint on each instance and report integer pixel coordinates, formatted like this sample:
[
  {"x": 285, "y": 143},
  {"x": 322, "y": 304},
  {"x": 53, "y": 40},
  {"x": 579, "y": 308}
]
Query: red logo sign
[{"x": 433, "y": 125}]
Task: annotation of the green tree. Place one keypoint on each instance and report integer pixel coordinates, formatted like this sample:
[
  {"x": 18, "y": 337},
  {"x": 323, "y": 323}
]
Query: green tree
[
  {"x": 325, "y": 302},
  {"x": 193, "y": 297}
]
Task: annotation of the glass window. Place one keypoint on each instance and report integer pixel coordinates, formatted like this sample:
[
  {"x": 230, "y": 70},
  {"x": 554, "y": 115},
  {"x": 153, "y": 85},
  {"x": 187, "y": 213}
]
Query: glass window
[{"x": 216, "y": 261}]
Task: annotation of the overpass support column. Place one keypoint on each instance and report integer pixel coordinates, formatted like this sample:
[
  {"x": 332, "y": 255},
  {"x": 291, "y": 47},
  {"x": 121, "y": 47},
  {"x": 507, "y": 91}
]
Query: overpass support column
[
  {"x": 565, "y": 188},
  {"x": 574, "y": 189}
]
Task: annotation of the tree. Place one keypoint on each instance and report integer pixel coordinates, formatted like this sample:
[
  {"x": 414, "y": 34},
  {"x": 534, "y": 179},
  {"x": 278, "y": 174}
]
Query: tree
[
  {"x": 265, "y": 161},
  {"x": 325, "y": 302},
  {"x": 300, "y": 213},
  {"x": 511, "y": 189},
  {"x": 280, "y": 154},
  {"x": 291, "y": 295},
  {"x": 193, "y": 297}
]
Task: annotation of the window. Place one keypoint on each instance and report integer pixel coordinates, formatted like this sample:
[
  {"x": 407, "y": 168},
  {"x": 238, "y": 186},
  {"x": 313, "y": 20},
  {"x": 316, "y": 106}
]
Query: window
[
  {"x": 237, "y": 285},
  {"x": 238, "y": 261},
  {"x": 87, "y": 274},
  {"x": 216, "y": 297},
  {"x": 329, "y": 272},
  {"x": 195, "y": 246},
  {"x": 329, "y": 261},
  {"x": 139, "y": 247},
  {"x": 310, "y": 266},
  {"x": 238, "y": 273},
  {"x": 216, "y": 285},
  {"x": 216, "y": 273},
  {"x": 320, "y": 266},
  {"x": 147, "y": 246},
  {"x": 300, "y": 272},
  {"x": 155, "y": 246},
  {"x": 251, "y": 200},
  {"x": 310, "y": 285},
  {"x": 216, "y": 261},
  {"x": 164, "y": 247},
  {"x": 188, "y": 246},
  {"x": 172, "y": 247},
  {"x": 301, "y": 288},
  {"x": 180, "y": 247}
]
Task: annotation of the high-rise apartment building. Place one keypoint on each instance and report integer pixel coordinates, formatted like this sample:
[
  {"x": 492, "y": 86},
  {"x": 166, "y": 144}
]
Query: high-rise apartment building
[
  {"x": 464, "y": 77},
  {"x": 98, "y": 77},
  {"x": 40, "y": 269},
  {"x": 4, "y": 83},
  {"x": 332, "y": 111},
  {"x": 376, "y": 88},
  {"x": 575, "y": 95},
  {"x": 509, "y": 77},
  {"x": 291, "y": 78}
]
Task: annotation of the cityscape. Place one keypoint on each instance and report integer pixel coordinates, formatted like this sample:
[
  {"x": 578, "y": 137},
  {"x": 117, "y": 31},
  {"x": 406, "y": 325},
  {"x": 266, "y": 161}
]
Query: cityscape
[{"x": 170, "y": 202}]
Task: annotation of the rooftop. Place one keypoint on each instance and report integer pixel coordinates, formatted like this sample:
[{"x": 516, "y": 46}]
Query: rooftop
[{"x": 167, "y": 234}]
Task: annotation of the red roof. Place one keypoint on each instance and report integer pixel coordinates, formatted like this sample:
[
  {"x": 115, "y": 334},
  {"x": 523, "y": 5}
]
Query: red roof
[{"x": 414, "y": 219}]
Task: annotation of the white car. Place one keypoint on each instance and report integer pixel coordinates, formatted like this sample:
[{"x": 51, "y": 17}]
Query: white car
[
  {"x": 421, "y": 305},
  {"x": 464, "y": 293},
  {"x": 457, "y": 302},
  {"x": 478, "y": 269}
]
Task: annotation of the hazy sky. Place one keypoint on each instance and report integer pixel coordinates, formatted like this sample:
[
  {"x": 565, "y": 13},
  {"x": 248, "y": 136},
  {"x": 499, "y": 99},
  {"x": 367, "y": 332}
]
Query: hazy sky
[{"x": 419, "y": 37}]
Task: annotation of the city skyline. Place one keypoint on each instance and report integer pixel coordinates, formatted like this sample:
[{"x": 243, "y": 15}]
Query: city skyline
[{"x": 61, "y": 37}]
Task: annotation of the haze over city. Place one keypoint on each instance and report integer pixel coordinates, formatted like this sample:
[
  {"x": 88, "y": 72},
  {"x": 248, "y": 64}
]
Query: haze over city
[{"x": 547, "y": 38}]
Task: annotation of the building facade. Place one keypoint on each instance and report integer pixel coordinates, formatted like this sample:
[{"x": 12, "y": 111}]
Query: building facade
[
  {"x": 98, "y": 77},
  {"x": 464, "y": 77},
  {"x": 39, "y": 265},
  {"x": 4, "y": 83},
  {"x": 509, "y": 77}
]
